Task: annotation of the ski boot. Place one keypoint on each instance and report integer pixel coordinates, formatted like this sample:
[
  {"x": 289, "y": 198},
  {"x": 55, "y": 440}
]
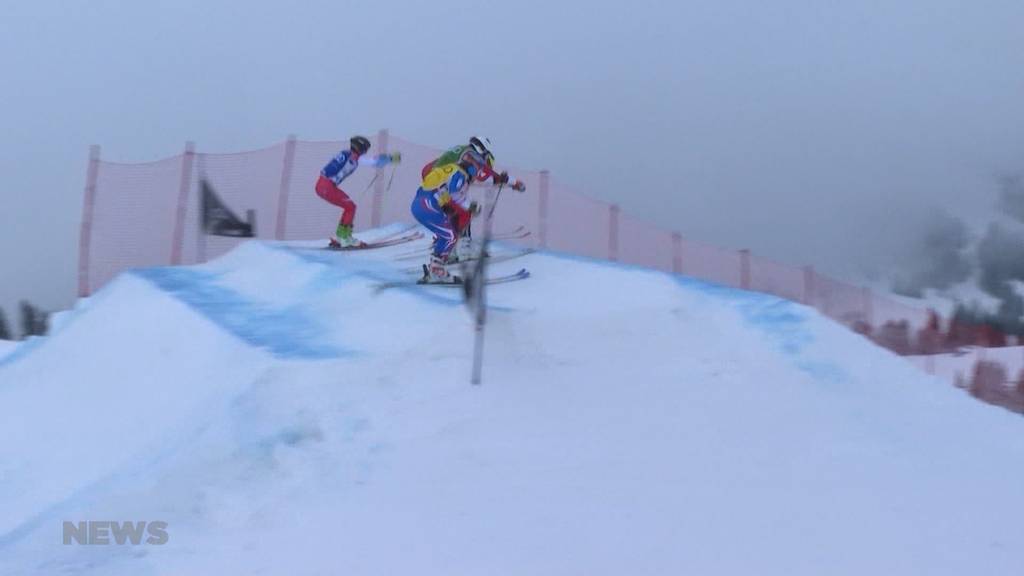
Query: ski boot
[
  {"x": 344, "y": 239},
  {"x": 436, "y": 272}
]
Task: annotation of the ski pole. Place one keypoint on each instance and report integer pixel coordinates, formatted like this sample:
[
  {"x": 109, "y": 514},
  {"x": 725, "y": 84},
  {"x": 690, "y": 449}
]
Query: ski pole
[
  {"x": 394, "y": 168},
  {"x": 374, "y": 179},
  {"x": 497, "y": 197}
]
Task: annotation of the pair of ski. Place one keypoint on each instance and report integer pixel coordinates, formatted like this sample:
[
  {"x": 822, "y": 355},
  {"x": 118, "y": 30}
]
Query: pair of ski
[
  {"x": 393, "y": 239},
  {"x": 408, "y": 235},
  {"x": 457, "y": 281},
  {"x": 517, "y": 233},
  {"x": 491, "y": 259},
  {"x": 454, "y": 282}
]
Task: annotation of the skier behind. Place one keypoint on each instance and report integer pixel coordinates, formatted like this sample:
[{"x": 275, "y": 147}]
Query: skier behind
[
  {"x": 454, "y": 154},
  {"x": 459, "y": 212},
  {"x": 339, "y": 168},
  {"x": 438, "y": 205}
]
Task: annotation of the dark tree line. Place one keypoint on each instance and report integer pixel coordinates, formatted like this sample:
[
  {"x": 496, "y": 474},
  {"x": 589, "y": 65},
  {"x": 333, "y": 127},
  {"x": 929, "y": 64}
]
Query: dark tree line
[
  {"x": 34, "y": 322},
  {"x": 5, "y": 330}
]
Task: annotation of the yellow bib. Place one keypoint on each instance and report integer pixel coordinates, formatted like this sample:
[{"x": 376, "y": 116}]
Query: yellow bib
[{"x": 439, "y": 176}]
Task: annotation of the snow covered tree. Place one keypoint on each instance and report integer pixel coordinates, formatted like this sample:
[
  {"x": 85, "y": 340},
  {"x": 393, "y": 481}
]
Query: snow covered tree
[
  {"x": 5, "y": 331},
  {"x": 34, "y": 321}
]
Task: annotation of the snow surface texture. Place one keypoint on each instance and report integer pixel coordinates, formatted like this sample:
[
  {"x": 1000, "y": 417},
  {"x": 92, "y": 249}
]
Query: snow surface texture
[
  {"x": 284, "y": 419},
  {"x": 7, "y": 347}
]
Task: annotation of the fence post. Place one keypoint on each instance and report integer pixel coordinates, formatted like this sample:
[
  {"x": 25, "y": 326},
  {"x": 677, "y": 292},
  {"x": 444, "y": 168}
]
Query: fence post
[
  {"x": 542, "y": 208},
  {"x": 677, "y": 253},
  {"x": 85, "y": 233},
  {"x": 378, "y": 184},
  {"x": 808, "y": 298},
  {"x": 745, "y": 269},
  {"x": 179, "y": 220},
  {"x": 285, "y": 189},
  {"x": 613, "y": 232}
]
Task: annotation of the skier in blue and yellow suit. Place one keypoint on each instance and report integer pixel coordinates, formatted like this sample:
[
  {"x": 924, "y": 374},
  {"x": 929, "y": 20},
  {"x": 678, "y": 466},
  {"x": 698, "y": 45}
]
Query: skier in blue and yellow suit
[
  {"x": 443, "y": 188},
  {"x": 440, "y": 200},
  {"x": 433, "y": 206}
]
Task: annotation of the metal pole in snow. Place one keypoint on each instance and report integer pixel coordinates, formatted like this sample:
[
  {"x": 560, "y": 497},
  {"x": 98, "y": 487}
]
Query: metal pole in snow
[
  {"x": 479, "y": 296},
  {"x": 478, "y": 346}
]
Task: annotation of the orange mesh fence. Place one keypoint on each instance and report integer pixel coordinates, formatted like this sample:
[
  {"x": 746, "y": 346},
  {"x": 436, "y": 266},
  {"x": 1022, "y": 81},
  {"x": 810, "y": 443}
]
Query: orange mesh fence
[{"x": 148, "y": 214}]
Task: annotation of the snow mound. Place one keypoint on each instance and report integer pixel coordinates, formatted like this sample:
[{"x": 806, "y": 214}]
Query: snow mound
[
  {"x": 7, "y": 347},
  {"x": 282, "y": 417}
]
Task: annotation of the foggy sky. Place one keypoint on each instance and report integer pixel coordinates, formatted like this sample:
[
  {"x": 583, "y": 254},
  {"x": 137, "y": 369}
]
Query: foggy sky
[{"x": 809, "y": 131}]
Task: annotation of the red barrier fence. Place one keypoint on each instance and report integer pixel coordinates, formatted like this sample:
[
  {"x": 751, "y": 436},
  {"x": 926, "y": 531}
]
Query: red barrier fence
[
  {"x": 147, "y": 214},
  {"x": 994, "y": 375}
]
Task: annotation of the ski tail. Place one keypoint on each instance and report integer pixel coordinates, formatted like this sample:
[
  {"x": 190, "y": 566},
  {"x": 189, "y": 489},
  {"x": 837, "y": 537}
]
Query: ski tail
[{"x": 393, "y": 241}]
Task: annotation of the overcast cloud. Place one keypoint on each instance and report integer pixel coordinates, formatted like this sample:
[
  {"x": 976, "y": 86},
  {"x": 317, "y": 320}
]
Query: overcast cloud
[{"x": 813, "y": 132}]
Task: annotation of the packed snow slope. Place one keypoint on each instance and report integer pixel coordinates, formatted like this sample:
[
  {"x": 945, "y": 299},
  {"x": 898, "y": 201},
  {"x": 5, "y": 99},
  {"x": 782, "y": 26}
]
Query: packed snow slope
[
  {"x": 282, "y": 418},
  {"x": 7, "y": 347}
]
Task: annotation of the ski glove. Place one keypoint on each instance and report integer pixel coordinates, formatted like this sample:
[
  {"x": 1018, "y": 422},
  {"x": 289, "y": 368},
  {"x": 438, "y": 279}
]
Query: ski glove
[
  {"x": 501, "y": 178},
  {"x": 396, "y": 157},
  {"x": 518, "y": 186}
]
